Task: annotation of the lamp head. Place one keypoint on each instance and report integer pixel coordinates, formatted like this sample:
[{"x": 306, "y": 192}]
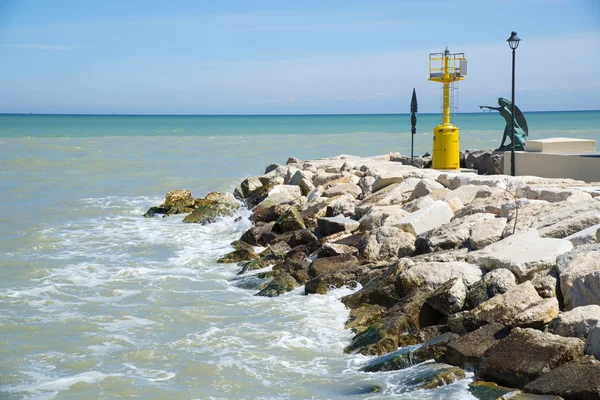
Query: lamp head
[{"x": 513, "y": 40}]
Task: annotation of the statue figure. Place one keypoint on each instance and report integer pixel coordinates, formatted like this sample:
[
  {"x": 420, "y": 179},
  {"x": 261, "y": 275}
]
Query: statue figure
[{"x": 521, "y": 130}]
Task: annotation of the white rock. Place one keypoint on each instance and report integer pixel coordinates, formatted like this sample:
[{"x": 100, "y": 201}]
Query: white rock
[
  {"x": 375, "y": 217},
  {"x": 579, "y": 275},
  {"x": 331, "y": 225},
  {"x": 424, "y": 187},
  {"x": 586, "y": 236},
  {"x": 486, "y": 232},
  {"x": 552, "y": 194},
  {"x": 576, "y": 323},
  {"x": 417, "y": 204},
  {"x": 343, "y": 189},
  {"x": 430, "y": 276},
  {"x": 453, "y": 235},
  {"x": 343, "y": 205},
  {"x": 322, "y": 177},
  {"x": 432, "y": 216},
  {"x": 466, "y": 193},
  {"x": 385, "y": 243},
  {"x": 455, "y": 204},
  {"x": 315, "y": 193},
  {"x": 524, "y": 254}
]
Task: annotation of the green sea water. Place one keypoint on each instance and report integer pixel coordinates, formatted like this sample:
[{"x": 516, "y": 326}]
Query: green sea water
[{"x": 101, "y": 303}]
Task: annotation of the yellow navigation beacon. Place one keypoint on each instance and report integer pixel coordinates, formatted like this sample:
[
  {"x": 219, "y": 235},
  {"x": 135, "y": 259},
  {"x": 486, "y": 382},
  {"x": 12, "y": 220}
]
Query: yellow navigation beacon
[{"x": 447, "y": 68}]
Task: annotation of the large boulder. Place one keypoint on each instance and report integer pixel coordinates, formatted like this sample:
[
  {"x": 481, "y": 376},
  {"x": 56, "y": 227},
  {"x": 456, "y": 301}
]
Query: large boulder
[
  {"x": 576, "y": 323},
  {"x": 451, "y": 235},
  {"x": 489, "y": 200},
  {"x": 425, "y": 187},
  {"x": 519, "y": 306},
  {"x": 281, "y": 284},
  {"x": 579, "y": 275},
  {"x": 395, "y": 193},
  {"x": 280, "y": 194},
  {"x": 347, "y": 276},
  {"x": 255, "y": 235},
  {"x": 377, "y": 215},
  {"x": 291, "y": 220},
  {"x": 466, "y": 194},
  {"x": 466, "y": 351},
  {"x": 552, "y": 194},
  {"x": 586, "y": 236},
  {"x": 592, "y": 343},
  {"x": 525, "y": 355},
  {"x": 213, "y": 207},
  {"x": 432, "y": 275},
  {"x": 342, "y": 189},
  {"x": 450, "y": 297},
  {"x": 331, "y": 225},
  {"x": 555, "y": 220},
  {"x": 343, "y": 205},
  {"x": 380, "y": 291},
  {"x": 327, "y": 265},
  {"x": 387, "y": 243},
  {"x": 575, "y": 380},
  {"x": 436, "y": 214},
  {"x": 524, "y": 254},
  {"x": 247, "y": 187},
  {"x": 486, "y": 232},
  {"x": 495, "y": 282}
]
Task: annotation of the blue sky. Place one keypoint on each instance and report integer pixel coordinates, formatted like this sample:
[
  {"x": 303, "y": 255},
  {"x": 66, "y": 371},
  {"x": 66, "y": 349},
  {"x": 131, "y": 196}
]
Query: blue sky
[{"x": 291, "y": 57}]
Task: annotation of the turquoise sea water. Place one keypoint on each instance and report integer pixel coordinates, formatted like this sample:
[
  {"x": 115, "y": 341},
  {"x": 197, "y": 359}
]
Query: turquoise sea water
[{"x": 101, "y": 303}]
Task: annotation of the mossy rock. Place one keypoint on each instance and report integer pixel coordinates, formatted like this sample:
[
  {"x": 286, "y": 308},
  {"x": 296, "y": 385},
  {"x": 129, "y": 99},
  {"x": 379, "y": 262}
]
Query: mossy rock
[
  {"x": 262, "y": 262},
  {"x": 238, "y": 256},
  {"x": 281, "y": 284},
  {"x": 291, "y": 220},
  {"x": 443, "y": 376},
  {"x": 209, "y": 211},
  {"x": 483, "y": 390}
]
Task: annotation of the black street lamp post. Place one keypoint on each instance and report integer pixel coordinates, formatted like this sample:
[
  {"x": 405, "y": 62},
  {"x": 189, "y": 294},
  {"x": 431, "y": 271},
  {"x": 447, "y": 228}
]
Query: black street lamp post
[
  {"x": 513, "y": 42},
  {"x": 414, "y": 109}
]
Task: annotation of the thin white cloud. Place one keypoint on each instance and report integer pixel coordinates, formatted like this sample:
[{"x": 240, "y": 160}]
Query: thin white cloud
[{"x": 38, "y": 46}]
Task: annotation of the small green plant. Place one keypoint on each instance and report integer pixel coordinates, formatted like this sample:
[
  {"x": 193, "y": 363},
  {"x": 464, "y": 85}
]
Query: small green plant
[{"x": 515, "y": 195}]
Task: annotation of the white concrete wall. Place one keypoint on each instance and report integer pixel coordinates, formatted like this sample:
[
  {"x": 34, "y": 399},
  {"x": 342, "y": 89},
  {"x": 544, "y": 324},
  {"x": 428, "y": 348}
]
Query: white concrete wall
[{"x": 552, "y": 165}]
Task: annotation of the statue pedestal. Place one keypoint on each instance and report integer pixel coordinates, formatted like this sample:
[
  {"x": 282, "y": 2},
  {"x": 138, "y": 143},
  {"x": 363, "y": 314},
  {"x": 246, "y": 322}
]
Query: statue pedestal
[{"x": 561, "y": 145}]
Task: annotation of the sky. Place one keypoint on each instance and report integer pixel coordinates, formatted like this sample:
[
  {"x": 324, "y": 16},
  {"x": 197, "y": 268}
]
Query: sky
[{"x": 291, "y": 57}]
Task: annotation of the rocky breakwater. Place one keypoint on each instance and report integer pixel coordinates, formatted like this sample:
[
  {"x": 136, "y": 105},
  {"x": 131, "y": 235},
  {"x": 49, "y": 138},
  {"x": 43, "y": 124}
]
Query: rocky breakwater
[{"x": 498, "y": 275}]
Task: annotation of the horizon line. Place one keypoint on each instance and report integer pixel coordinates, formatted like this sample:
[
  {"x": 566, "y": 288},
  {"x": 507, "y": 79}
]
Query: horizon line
[{"x": 266, "y": 115}]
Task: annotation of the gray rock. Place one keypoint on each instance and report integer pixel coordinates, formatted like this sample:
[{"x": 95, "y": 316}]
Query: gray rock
[
  {"x": 279, "y": 285},
  {"x": 486, "y": 232},
  {"x": 327, "y": 265},
  {"x": 487, "y": 200},
  {"x": 467, "y": 350},
  {"x": 592, "y": 343},
  {"x": 495, "y": 282},
  {"x": 331, "y": 225},
  {"x": 576, "y": 323},
  {"x": 576, "y": 380},
  {"x": 508, "y": 364},
  {"x": 306, "y": 186},
  {"x": 579, "y": 275},
  {"x": 551, "y": 194},
  {"x": 449, "y": 298},
  {"x": 349, "y": 277},
  {"x": 417, "y": 204},
  {"x": 524, "y": 254},
  {"x": 466, "y": 194},
  {"x": 545, "y": 284},
  {"x": 342, "y": 205},
  {"x": 247, "y": 187}
]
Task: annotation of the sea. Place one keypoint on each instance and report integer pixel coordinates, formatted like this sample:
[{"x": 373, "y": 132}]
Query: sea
[{"x": 98, "y": 302}]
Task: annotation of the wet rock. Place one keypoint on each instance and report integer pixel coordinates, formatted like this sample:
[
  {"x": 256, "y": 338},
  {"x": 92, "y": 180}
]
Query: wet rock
[
  {"x": 508, "y": 364},
  {"x": 331, "y": 225},
  {"x": 430, "y": 276},
  {"x": 238, "y": 255},
  {"x": 449, "y": 298},
  {"x": 362, "y": 317},
  {"x": 436, "y": 375},
  {"x": 176, "y": 202},
  {"x": 263, "y": 261},
  {"x": 579, "y": 275},
  {"x": 380, "y": 291},
  {"x": 483, "y": 390},
  {"x": 524, "y": 254},
  {"x": 432, "y": 216},
  {"x": 350, "y": 277},
  {"x": 326, "y": 265},
  {"x": 408, "y": 356},
  {"x": 451, "y": 235},
  {"x": 279, "y": 285},
  {"x": 519, "y": 306},
  {"x": 576, "y": 380},
  {"x": 290, "y": 220},
  {"x": 253, "y": 236},
  {"x": 280, "y": 194},
  {"x": 209, "y": 211},
  {"x": 466, "y": 351},
  {"x": 387, "y": 243},
  {"x": 576, "y": 323},
  {"x": 495, "y": 282}
]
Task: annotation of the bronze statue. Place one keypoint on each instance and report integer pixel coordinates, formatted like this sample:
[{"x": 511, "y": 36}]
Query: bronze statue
[{"x": 521, "y": 130}]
